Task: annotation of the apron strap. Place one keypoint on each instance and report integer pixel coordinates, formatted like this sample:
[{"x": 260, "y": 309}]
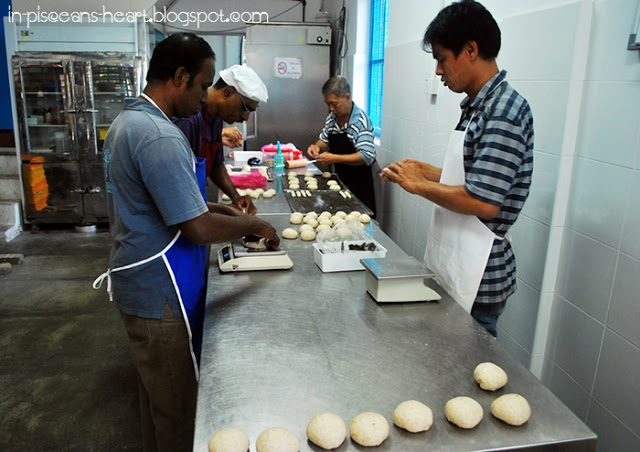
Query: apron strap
[{"x": 107, "y": 275}]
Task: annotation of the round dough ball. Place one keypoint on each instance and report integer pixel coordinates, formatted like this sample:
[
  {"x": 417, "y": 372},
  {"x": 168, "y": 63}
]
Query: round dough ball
[
  {"x": 260, "y": 191},
  {"x": 332, "y": 182},
  {"x": 413, "y": 416},
  {"x": 463, "y": 412},
  {"x": 292, "y": 173},
  {"x": 340, "y": 213},
  {"x": 364, "y": 218},
  {"x": 245, "y": 169},
  {"x": 255, "y": 194},
  {"x": 295, "y": 218},
  {"x": 306, "y": 227},
  {"x": 369, "y": 429},
  {"x": 325, "y": 220},
  {"x": 327, "y": 430},
  {"x": 269, "y": 193},
  {"x": 312, "y": 187},
  {"x": 294, "y": 187},
  {"x": 307, "y": 235},
  {"x": 225, "y": 197},
  {"x": 311, "y": 222},
  {"x": 290, "y": 233},
  {"x": 229, "y": 439},
  {"x": 334, "y": 187},
  {"x": 489, "y": 376},
  {"x": 277, "y": 439},
  {"x": 511, "y": 408},
  {"x": 326, "y": 174},
  {"x": 311, "y": 214},
  {"x": 322, "y": 227},
  {"x": 308, "y": 173},
  {"x": 325, "y": 214}
]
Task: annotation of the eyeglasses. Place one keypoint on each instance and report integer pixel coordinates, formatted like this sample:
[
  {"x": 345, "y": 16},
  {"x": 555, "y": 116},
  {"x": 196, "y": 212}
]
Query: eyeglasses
[{"x": 244, "y": 106}]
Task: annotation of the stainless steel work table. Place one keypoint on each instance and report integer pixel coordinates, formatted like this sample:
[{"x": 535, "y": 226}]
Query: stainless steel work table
[{"x": 282, "y": 346}]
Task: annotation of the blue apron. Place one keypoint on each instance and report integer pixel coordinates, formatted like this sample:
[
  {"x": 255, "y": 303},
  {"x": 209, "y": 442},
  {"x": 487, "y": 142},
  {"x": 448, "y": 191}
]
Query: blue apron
[{"x": 186, "y": 264}]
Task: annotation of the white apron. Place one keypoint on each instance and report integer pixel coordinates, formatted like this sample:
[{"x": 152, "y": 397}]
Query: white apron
[{"x": 458, "y": 246}]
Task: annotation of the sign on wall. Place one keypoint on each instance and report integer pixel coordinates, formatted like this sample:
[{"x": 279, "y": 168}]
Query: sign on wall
[{"x": 287, "y": 67}]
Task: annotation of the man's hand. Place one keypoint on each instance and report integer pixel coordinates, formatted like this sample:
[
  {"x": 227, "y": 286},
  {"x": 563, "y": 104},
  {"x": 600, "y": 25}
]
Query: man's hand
[
  {"x": 313, "y": 151},
  {"x": 326, "y": 158},
  {"x": 245, "y": 204},
  {"x": 405, "y": 173},
  {"x": 232, "y": 137}
]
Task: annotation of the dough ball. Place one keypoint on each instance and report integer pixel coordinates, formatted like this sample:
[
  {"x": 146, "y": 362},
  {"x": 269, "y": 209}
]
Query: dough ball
[
  {"x": 327, "y": 430},
  {"x": 334, "y": 187},
  {"x": 269, "y": 193},
  {"x": 337, "y": 221},
  {"x": 312, "y": 186},
  {"x": 308, "y": 174},
  {"x": 364, "y": 218},
  {"x": 489, "y": 376},
  {"x": 511, "y": 408},
  {"x": 254, "y": 194},
  {"x": 413, "y": 416},
  {"x": 340, "y": 213},
  {"x": 260, "y": 191},
  {"x": 369, "y": 429},
  {"x": 325, "y": 214},
  {"x": 277, "y": 439},
  {"x": 225, "y": 197},
  {"x": 463, "y": 412},
  {"x": 326, "y": 174},
  {"x": 245, "y": 169},
  {"x": 306, "y": 227},
  {"x": 294, "y": 186},
  {"x": 292, "y": 174},
  {"x": 229, "y": 439},
  {"x": 307, "y": 235},
  {"x": 290, "y": 233},
  {"x": 322, "y": 227},
  {"x": 344, "y": 233},
  {"x": 241, "y": 192},
  {"x": 332, "y": 182},
  {"x": 324, "y": 220},
  {"x": 311, "y": 221},
  {"x": 311, "y": 214},
  {"x": 295, "y": 218}
]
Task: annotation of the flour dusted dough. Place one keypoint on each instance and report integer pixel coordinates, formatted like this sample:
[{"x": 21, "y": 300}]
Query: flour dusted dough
[
  {"x": 295, "y": 218},
  {"x": 490, "y": 376},
  {"x": 463, "y": 412},
  {"x": 364, "y": 218},
  {"x": 413, "y": 416},
  {"x": 277, "y": 439},
  {"x": 369, "y": 429},
  {"x": 512, "y": 409},
  {"x": 326, "y": 174},
  {"x": 327, "y": 430},
  {"x": 229, "y": 439},
  {"x": 290, "y": 233}
]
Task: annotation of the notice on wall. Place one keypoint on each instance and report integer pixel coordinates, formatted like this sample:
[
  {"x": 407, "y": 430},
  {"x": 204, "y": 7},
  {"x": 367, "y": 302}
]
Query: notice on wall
[{"x": 287, "y": 67}]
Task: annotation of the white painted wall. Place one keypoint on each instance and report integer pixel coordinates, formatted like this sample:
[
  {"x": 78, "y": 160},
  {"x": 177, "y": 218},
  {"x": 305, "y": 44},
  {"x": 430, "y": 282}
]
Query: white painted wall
[{"x": 576, "y": 242}]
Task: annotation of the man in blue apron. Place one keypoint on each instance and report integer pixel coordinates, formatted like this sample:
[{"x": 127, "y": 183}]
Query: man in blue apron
[
  {"x": 160, "y": 221},
  {"x": 484, "y": 181},
  {"x": 346, "y": 141},
  {"x": 233, "y": 98}
]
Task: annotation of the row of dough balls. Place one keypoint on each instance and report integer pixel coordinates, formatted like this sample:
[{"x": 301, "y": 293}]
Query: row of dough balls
[
  {"x": 311, "y": 181},
  {"x": 270, "y": 193},
  {"x": 312, "y": 223},
  {"x": 369, "y": 429},
  {"x": 246, "y": 169}
]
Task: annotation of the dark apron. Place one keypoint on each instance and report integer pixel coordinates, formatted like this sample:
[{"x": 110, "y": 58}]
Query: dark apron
[{"x": 357, "y": 178}]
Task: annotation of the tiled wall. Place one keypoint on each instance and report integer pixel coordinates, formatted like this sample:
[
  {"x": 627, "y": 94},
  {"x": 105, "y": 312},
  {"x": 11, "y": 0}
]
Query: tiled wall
[{"x": 585, "y": 197}]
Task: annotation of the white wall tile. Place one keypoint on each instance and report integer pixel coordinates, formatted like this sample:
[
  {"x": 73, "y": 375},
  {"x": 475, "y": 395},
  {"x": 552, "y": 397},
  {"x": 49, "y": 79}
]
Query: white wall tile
[
  {"x": 524, "y": 47},
  {"x": 548, "y": 101},
  {"x": 539, "y": 205},
  {"x": 624, "y": 314},
  {"x": 610, "y": 122},
  {"x": 631, "y": 229},
  {"x": 585, "y": 273},
  {"x": 613, "y": 435},
  {"x": 520, "y": 314},
  {"x": 574, "y": 342},
  {"x": 566, "y": 388},
  {"x": 617, "y": 385},
  {"x": 598, "y": 200},
  {"x": 530, "y": 240},
  {"x": 609, "y": 58}
]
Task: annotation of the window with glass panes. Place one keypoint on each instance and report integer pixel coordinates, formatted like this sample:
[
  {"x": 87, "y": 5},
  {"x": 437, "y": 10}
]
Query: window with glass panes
[{"x": 378, "y": 42}]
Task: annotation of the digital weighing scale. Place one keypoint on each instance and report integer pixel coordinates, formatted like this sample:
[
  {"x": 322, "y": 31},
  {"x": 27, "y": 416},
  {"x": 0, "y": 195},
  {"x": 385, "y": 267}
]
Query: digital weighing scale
[
  {"x": 398, "y": 280},
  {"x": 232, "y": 260}
]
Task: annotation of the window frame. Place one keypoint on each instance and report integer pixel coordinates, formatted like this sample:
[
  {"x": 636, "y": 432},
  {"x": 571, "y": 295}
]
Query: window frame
[{"x": 378, "y": 35}]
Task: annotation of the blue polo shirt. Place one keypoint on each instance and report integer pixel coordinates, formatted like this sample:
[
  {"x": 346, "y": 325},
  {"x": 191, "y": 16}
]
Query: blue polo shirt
[{"x": 151, "y": 189}]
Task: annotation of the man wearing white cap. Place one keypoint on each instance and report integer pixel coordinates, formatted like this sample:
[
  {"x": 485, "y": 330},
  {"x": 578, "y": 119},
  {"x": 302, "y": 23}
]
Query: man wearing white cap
[{"x": 234, "y": 96}]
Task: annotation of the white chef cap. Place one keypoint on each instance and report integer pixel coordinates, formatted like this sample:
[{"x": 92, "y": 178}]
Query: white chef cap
[{"x": 246, "y": 82}]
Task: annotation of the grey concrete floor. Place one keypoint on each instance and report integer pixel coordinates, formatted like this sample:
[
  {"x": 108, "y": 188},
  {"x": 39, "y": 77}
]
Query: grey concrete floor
[{"x": 67, "y": 380}]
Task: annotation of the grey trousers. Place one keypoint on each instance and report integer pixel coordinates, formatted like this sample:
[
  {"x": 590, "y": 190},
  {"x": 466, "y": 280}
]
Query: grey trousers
[{"x": 167, "y": 384}]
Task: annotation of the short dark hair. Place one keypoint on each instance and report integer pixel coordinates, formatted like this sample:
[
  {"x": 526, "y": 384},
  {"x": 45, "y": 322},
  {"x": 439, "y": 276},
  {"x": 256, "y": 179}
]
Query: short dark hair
[
  {"x": 461, "y": 22},
  {"x": 336, "y": 85},
  {"x": 220, "y": 84},
  {"x": 178, "y": 50}
]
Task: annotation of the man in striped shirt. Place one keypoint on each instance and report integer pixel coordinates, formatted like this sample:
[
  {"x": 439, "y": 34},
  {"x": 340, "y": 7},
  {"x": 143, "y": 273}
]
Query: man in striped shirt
[
  {"x": 497, "y": 149},
  {"x": 347, "y": 141}
]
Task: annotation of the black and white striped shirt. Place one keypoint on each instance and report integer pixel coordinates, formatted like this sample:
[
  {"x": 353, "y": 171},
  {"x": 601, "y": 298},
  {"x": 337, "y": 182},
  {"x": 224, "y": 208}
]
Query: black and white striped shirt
[{"x": 498, "y": 163}]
